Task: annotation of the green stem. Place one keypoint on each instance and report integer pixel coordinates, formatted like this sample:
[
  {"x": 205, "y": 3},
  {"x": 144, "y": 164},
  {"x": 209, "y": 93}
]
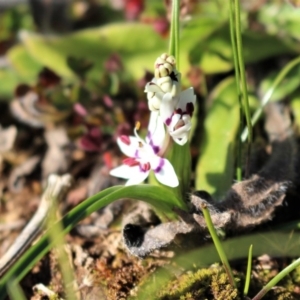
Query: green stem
[
  {"x": 234, "y": 47},
  {"x": 277, "y": 278},
  {"x": 242, "y": 68},
  {"x": 177, "y": 30},
  {"x": 172, "y": 31},
  {"x": 218, "y": 244},
  {"x": 238, "y": 91},
  {"x": 57, "y": 240},
  {"x": 270, "y": 92},
  {"x": 248, "y": 274},
  {"x": 14, "y": 291}
]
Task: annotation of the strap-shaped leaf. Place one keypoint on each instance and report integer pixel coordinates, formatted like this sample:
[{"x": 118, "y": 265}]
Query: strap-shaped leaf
[{"x": 162, "y": 199}]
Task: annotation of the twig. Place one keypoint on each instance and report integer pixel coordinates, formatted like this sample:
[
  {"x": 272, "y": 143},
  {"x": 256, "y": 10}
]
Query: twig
[
  {"x": 56, "y": 188},
  {"x": 43, "y": 290}
]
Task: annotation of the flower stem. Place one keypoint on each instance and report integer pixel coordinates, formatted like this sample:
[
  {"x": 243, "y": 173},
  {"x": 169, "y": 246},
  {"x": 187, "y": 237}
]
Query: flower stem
[
  {"x": 218, "y": 244},
  {"x": 277, "y": 278},
  {"x": 174, "y": 31},
  {"x": 242, "y": 68},
  {"x": 238, "y": 90}
]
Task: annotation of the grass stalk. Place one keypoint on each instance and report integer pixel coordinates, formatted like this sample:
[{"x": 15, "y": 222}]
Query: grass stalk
[
  {"x": 270, "y": 92},
  {"x": 238, "y": 90},
  {"x": 241, "y": 64},
  {"x": 218, "y": 244},
  {"x": 84, "y": 209},
  {"x": 57, "y": 241},
  {"x": 277, "y": 278},
  {"x": 14, "y": 291},
  {"x": 248, "y": 273},
  {"x": 172, "y": 31},
  {"x": 175, "y": 18}
]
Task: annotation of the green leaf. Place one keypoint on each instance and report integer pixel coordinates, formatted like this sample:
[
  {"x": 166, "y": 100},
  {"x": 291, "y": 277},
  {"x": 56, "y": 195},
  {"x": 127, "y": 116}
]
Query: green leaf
[
  {"x": 295, "y": 104},
  {"x": 204, "y": 41},
  {"x": 288, "y": 85},
  {"x": 15, "y": 292},
  {"x": 79, "y": 66},
  {"x": 212, "y": 51},
  {"x": 180, "y": 158},
  {"x": 215, "y": 167},
  {"x": 23, "y": 63},
  {"x": 21, "y": 69},
  {"x": 280, "y": 18},
  {"x": 162, "y": 199},
  {"x": 11, "y": 80},
  {"x": 137, "y": 44}
]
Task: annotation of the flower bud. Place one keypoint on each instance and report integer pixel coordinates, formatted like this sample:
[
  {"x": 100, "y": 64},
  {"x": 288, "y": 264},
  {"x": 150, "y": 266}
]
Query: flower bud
[{"x": 164, "y": 65}]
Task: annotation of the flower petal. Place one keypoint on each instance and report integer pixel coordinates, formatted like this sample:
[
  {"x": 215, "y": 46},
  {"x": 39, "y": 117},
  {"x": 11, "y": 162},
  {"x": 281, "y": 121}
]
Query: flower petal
[
  {"x": 181, "y": 134},
  {"x": 175, "y": 119},
  {"x": 137, "y": 177},
  {"x": 166, "y": 175},
  {"x": 154, "y": 100},
  {"x": 181, "y": 140},
  {"x": 152, "y": 87},
  {"x": 166, "y": 84},
  {"x": 156, "y": 132},
  {"x": 186, "y": 96},
  {"x": 152, "y": 123},
  {"x": 133, "y": 174},
  {"x": 167, "y": 107},
  {"x": 128, "y": 148},
  {"x": 122, "y": 171}
]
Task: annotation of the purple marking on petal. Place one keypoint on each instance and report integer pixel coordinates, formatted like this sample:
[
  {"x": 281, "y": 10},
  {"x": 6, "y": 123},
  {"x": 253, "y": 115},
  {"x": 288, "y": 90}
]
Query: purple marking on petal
[
  {"x": 189, "y": 108},
  {"x": 130, "y": 161},
  {"x": 179, "y": 111},
  {"x": 154, "y": 147},
  {"x": 160, "y": 165},
  {"x": 168, "y": 121},
  {"x": 144, "y": 167},
  {"x": 125, "y": 139},
  {"x": 136, "y": 154}
]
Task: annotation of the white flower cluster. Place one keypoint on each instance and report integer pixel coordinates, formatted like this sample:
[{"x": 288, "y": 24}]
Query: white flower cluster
[
  {"x": 165, "y": 98},
  {"x": 170, "y": 108}
]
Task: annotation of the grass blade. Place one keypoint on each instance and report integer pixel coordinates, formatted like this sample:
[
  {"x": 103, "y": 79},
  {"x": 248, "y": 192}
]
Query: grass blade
[
  {"x": 248, "y": 273},
  {"x": 218, "y": 244}
]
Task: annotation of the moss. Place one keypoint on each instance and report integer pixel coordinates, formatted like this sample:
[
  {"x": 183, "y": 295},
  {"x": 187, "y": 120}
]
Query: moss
[
  {"x": 295, "y": 279},
  {"x": 211, "y": 283},
  {"x": 280, "y": 293},
  {"x": 221, "y": 288}
]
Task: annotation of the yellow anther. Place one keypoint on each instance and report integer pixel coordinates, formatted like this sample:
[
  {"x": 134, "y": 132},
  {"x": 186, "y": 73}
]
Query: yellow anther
[{"x": 137, "y": 125}]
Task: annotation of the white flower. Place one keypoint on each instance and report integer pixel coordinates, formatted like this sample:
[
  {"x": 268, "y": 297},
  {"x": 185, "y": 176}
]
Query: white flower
[
  {"x": 176, "y": 113},
  {"x": 143, "y": 156},
  {"x": 158, "y": 87}
]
